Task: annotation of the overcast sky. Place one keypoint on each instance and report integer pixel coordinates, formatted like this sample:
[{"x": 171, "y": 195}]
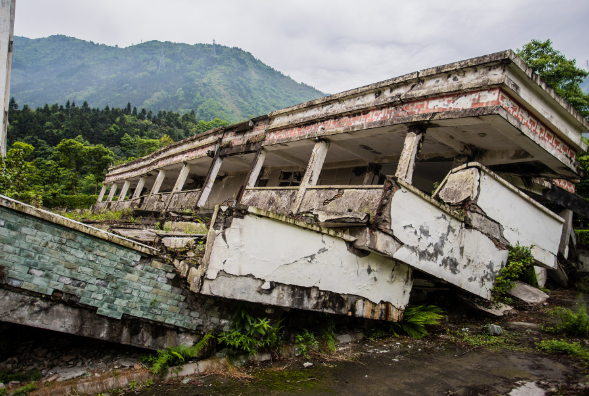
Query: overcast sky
[{"x": 331, "y": 45}]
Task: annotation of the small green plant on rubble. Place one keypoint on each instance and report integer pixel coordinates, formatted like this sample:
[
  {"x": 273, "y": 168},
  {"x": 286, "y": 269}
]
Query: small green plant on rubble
[
  {"x": 24, "y": 390},
  {"x": 306, "y": 343},
  {"x": 134, "y": 385},
  {"x": 161, "y": 362},
  {"x": 248, "y": 334},
  {"x": 415, "y": 318},
  {"x": 564, "y": 348},
  {"x": 520, "y": 258},
  {"x": 572, "y": 322},
  {"x": 3, "y": 392}
]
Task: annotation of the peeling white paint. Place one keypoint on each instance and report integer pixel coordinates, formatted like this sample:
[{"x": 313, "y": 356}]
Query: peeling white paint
[
  {"x": 438, "y": 244},
  {"x": 522, "y": 222},
  {"x": 299, "y": 257}
]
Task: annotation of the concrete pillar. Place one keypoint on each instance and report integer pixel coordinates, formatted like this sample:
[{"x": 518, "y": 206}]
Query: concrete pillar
[
  {"x": 567, "y": 230},
  {"x": 256, "y": 168},
  {"x": 312, "y": 173},
  {"x": 210, "y": 179},
  {"x": 124, "y": 190},
  {"x": 372, "y": 171},
  {"x": 102, "y": 192},
  {"x": 7, "y": 8},
  {"x": 139, "y": 188},
  {"x": 113, "y": 190},
  {"x": 182, "y": 178},
  {"x": 411, "y": 147},
  {"x": 158, "y": 182}
]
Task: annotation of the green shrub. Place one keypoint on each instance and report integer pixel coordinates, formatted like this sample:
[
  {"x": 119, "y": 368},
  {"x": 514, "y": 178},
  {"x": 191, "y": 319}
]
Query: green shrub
[
  {"x": 24, "y": 390},
  {"x": 572, "y": 322},
  {"x": 79, "y": 201},
  {"x": 248, "y": 334},
  {"x": 306, "y": 343},
  {"x": 413, "y": 324},
  {"x": 7, "y": 376},
  {"x": 165, "y": 358},
  {"x": 564, "y": 348},
  {"x": 582, "y": 237},
  {"x": 519, "y": 260}
]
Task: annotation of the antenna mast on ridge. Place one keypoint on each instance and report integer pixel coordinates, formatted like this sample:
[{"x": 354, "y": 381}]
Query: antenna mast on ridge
[
  {"x": 214, "y": 52},
  {"x": 162, "y": 66}
]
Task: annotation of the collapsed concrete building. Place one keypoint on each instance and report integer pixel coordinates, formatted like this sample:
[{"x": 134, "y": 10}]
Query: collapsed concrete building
[{"x": 348, "y": 205}]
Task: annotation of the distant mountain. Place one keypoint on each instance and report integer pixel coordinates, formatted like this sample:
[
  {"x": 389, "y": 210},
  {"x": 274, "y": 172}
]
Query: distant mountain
[{"x": 232, "y": 85}]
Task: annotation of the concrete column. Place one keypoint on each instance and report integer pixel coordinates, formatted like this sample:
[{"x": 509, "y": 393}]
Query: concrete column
[
  {"x": 139, "y": 188},
  {"x": 102, "y": 192},
  {"x": 124, "y": 190},
  {"x": 7, "y": 8},
  {"x": 372, "y": 171},
  {"x": 158, "y": 182},
  {"x": 408, "y": 160},
  {"x": 312, "y": 173},
  {"x": 179, "y": 182},
  {"x": 208, "y": 183},
  {"x": 567, "y": 230},
  {"x": 113, "y": 190},
  {"x": 182, "y": 177},
  {"x": 256, "y": 168}
]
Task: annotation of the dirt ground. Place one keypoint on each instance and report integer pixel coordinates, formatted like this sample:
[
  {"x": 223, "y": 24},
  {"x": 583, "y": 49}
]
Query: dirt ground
[{"x": 453, "y": 360}]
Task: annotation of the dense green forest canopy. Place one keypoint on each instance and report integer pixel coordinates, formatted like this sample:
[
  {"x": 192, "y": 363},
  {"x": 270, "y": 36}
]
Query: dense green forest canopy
[{"x": 233, "y": 85}]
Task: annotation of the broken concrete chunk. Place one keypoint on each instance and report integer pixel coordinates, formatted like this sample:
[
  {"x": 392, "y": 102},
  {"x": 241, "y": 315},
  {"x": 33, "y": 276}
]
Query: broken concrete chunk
[
  {"x": 492, "y": 330},
  {"x": 460, "y": 186},
  {"x": 527, "y": 293},
  {"x": 186, "y": 227},
  {"x": 486, "y": 308},
  {"x": 143, "y": 236},
  {"x": 177, "y": 243},
  {"x": 335, "y": 219}
]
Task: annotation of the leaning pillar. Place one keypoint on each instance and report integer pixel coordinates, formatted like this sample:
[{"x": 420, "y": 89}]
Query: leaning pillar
[
  {"x": 411, "y": 147},
  {"x": 312, "y": 173}
]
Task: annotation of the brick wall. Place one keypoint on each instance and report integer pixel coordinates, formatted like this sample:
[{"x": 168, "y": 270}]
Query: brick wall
[{"x": 50, "y": 259}]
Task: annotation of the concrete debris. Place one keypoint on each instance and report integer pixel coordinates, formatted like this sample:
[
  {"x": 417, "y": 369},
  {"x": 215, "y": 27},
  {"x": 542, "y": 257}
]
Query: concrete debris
[
  {"x": 307, "y": 364},
  {"x": 528, "y": 389},
  {"x": 350, "y": 337},
  {"x": 528, "y": 294},
  {"x": 2, "y": 386},
  {"x": 522, "y": 326},
  {"x": 496, "y": 310},
  {"x": 493, "y": 330}
]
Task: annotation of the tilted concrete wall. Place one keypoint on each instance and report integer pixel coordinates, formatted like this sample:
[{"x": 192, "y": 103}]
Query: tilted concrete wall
[{"x": 68, "y": 280}]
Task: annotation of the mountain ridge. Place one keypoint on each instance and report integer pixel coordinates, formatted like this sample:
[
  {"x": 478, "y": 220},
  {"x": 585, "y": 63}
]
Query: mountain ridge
[{"x": 233, "y": 85}]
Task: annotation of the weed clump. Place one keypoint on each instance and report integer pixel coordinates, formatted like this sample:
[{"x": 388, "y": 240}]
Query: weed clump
[
  {"x": 413, "y": 325},
  {"x": 573, "y": 322},
  {"x": 520, "y": 259},
  {"x": 161, "y": 362},
  {"x": 564, "y": 348}
]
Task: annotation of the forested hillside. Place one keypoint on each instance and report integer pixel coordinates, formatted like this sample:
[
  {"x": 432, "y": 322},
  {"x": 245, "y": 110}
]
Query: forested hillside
[{"x": 233, "y": 85}]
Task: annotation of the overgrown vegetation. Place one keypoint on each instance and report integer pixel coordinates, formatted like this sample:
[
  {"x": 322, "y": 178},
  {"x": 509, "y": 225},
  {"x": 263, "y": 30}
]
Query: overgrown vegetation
[
  {"x": 572, "y": 322},
  {"x": 249, "y": 334},
  {"x": 564, "y": 348},
  {"x": 107, "y": 215},
  {"x": 24, "y": 390},
  {"x": 519, "y": 260},
  {"x": 415, "y": 320},
  {"x": 7, "y": 376},
  {"x": 161, "y": 362},
  {"x": 306, "y": 343}
]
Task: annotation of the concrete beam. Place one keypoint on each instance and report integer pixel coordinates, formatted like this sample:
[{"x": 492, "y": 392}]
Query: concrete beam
[
  {"x": 113, "y": 190},
  {"x": 124, "y": 190},
  {"x": 210, "y": 180},
  {"x": 408, "y": 160},
  {"x": 355, "y": 151},
  {"x": 139, "y": 188},
  {"x": 287, "y": 157},
  {"x": 102, "y": 192},
  {"x": 158, "y": 182},
  {"x": 312, "y": 173}
]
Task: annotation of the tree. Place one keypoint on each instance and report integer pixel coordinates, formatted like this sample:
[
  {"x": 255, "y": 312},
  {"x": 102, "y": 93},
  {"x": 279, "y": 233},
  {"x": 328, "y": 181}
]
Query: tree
[
  {"x": 99, "y": 159},
  {"x": 128, "y": 144},
  {"x": 71, "y": 154},
  {"x": 146, "y": 146},
  {"x": 166, "y": 141},
  {"x": 14, "y": 171},
  {"x": 557, "y": 72}
]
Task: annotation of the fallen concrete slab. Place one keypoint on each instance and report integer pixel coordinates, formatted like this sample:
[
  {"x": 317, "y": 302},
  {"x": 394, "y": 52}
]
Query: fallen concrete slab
[{"x": 528, "y": 294}]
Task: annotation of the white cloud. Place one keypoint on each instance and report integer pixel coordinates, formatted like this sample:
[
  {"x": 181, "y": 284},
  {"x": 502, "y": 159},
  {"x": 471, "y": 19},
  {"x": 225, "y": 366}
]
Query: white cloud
[{"x": 331, "y": 45}]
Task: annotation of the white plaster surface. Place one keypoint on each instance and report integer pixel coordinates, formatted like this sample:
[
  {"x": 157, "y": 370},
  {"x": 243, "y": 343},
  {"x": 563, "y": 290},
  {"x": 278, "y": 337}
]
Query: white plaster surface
[
  {"x": 522, "y": 222},
  {"x": 438, "y": 244},
  {"x": 272, "y": 251}
]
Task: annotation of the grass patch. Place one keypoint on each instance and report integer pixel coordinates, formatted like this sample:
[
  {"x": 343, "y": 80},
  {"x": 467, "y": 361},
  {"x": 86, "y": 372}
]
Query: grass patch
[
  {"x": 24, "y": 390},
  {"x": 564, "y": 348},
  {"x": 415, "y": 320},
  {"x": 573, "y": 322},
  {"x": 7, "y": 376},
  {"x": 107, "y": 215},
  {"x": 287, "y": 380},
  {"x": 504, "y": 341}
]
